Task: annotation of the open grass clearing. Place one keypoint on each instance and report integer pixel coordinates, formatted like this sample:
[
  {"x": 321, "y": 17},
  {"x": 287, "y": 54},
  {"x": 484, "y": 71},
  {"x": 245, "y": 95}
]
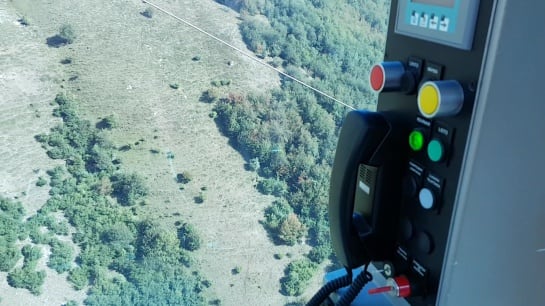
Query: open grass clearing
[{"x": 123, "y": 63}]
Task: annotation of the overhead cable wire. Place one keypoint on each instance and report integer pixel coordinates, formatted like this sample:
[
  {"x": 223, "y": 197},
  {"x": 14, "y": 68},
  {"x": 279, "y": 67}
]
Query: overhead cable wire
[{"x": 247, "y": 54}]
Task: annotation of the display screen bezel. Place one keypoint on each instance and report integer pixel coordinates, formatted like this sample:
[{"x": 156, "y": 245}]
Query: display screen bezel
[
  {"x": 445, "y": 3},
  {"x": 462, "y": 18}
]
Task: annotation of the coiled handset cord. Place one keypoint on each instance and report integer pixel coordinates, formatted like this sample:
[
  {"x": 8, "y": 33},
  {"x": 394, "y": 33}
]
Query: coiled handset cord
[
  {"x": 355, "y": 287},
  {"x": 330, "y": 287},
  {"x": 361, "y": 280}
]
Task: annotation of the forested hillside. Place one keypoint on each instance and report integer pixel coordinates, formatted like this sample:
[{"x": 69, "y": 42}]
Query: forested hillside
[
  {"x": 289, "y": 135},
  {"x": 123, "y": 258}
]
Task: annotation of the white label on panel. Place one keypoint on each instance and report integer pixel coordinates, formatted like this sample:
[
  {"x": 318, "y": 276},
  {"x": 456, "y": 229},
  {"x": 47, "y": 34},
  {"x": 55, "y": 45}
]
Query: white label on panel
[
  {"x": 424, "y": 20},
  {"x": 434, "y": 22},
  {"x": 443, "y": 24}
]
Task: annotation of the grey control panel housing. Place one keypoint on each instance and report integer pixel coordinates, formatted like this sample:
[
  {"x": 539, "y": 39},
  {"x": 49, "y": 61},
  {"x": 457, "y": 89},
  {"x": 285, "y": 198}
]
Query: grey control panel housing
[
  {"x": 495, "y": 251},
  {"x": 447, "y": 22}
]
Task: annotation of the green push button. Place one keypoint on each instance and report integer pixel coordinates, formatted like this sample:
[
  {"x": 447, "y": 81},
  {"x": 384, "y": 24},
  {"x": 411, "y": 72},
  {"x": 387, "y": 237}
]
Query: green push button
[
  {"x": 436, "y": 151},
  {"x": 416, "y": 140}
]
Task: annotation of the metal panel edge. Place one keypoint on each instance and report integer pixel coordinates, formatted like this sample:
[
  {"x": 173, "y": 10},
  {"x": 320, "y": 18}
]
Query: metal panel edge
[{"x": 502, "y": 279}]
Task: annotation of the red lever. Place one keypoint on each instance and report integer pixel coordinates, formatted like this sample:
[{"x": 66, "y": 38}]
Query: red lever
[
  {"x": 380, "y": 290},
  {"x": 398, "y": 286}
]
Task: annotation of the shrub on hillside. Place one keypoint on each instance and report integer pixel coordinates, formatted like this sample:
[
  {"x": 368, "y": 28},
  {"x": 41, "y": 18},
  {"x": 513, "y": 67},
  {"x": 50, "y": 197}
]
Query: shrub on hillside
[
  {"x": 189, "y": 239},
  {"x": 109, "y": 122},
  {"x": 66, "y": 61},
  {"x": 41, "y": 182},
  {"x": 199, "y": 199},
  {"x": 67, "y": 33},
  {"x": 25, "y": 21},
  {"x": 272, "y": 186},
  {"x": 148, "y": 12},
  {"x": 184, "y": 177},
  {"x": 210, "y": 95}
]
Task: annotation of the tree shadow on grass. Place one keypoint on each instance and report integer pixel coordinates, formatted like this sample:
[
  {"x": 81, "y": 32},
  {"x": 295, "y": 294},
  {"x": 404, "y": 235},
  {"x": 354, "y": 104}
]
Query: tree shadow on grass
[
  {"x": 271, "y": 234},
  {"x": 56, "y": 41},
  {"x": 147, "y": 13}
]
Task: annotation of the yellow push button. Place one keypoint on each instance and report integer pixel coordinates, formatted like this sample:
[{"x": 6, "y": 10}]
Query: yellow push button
[
  {"x": 428, "y": 99},
  {"x": 440, "y": 98}
]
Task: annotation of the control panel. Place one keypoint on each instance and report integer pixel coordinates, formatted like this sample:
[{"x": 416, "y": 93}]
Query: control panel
[
  {"x": 428, "y": 80},
  {"x": 448, "y": 22},
  {"x": 427, "y": 202}
]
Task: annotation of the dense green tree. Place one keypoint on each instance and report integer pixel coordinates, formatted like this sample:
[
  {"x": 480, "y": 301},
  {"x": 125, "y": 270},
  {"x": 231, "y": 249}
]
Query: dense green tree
[
  {"x": 31, "y": 254},
  {"x": 79, "y": 277},
  {"x": 320, "y": 253},
  {"x": 291, "y": 230},
  {"x": 154, "y": 242},
  {"x": 118, "y": 235},
  {"x": 11, "y": 209},
  {"x": 277, "y": 213},
  {"x": 272, "y": 186},
  {"x": 153, "y": 282},
  {"x": 100, "y": 159},
  {"x": 27, "y": 278},
  {"x": 297, "y": 275},
  {"x": 129, "y": 188},
  {"x": 61, "y": 257},
  {"x": 8, "y": 258},
  {"x": 11, "y": 222}
]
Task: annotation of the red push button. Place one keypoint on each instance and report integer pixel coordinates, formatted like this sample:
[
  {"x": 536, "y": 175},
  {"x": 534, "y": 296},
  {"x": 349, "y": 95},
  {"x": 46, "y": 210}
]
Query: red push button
[
  {"x": 377, "y": 78},
  {"x": 386, "y": 76}
]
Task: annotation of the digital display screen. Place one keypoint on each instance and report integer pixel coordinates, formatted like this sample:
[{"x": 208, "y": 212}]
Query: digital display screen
[
  {"x": 445, "y": 3},
  {"x": 447, "y": 22}
]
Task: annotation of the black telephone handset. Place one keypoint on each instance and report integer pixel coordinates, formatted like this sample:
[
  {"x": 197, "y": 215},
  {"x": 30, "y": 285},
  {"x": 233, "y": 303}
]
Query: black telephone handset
[{"x": 363, "y": 203}]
